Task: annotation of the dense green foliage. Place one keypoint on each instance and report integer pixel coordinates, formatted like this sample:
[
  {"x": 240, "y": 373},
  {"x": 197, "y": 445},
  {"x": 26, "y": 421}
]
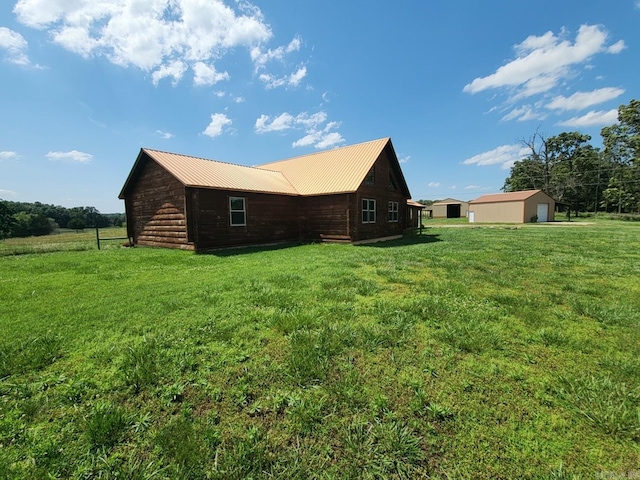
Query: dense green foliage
[
  {"x": 571, "y": 170},
  {"x": 462, "y": 353},
  {"x": 21, "y": 219}
]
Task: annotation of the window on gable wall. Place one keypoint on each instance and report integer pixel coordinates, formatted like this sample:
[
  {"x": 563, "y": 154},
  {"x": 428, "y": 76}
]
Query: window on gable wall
[
  {"x": 368, "y": 210},
  {"x": 370, "y": 179},
  {"x": 393, "y": 211},
  {"x": 237, "y": 211}
]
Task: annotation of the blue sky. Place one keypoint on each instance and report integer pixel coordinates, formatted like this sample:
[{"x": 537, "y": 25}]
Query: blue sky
[{"x": 456, "y": 84}]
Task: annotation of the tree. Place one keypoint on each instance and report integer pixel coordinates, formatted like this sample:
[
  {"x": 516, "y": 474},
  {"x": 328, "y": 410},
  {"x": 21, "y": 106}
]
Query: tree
[
  {"x": 6, "y": 221},
  {"x": 77, "y": 222},
  {"x": 31, "y": 224}
]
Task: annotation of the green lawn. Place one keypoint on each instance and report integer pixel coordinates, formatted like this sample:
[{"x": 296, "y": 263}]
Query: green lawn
[
  {"x": 462, "y": 353},
  {"x": 65, "y": 240}
]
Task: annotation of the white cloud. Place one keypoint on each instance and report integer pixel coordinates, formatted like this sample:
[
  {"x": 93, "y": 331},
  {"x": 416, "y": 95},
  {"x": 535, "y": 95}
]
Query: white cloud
[
  {"x": 319, "y": 132},
  {"x": 6, "y": 155},
  {"x": 9, "y": 193},
  {"x": 175, "y": 69},
  {"x": 72, "y": 156},
  {"x": 261, "y": 58},
  {"x": 165, "y": 135},
  {"x": 473, "y": 187},
  {"x": 543, "y": 61},
  {"x": 165, "y": 37},
  {"x": 292, "y": 80},
  {"x": 582, "y": 100},
  {"x": 404, "y": 159},
  {"x": 638, "y": 4},
  {"x": 505, "y": 156},
  {"x": 593, "y": 118},
  {"x": 15, "y": 46},
  {"x": 218, "y": 122},
  {"x": 524, "y": 113},
  {"x": 433, "y": 184},
  {"x": 204, "y": 74}
]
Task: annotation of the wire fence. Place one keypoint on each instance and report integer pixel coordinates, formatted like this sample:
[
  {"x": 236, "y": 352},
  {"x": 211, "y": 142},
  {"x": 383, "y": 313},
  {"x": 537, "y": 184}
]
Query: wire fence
[{"x": 66, "y": 240}]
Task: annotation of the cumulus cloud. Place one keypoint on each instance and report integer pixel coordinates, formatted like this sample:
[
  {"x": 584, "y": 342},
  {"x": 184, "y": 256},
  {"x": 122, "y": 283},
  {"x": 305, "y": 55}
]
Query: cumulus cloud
[
  {"x": 261, "y": 58},
  {"x": 216, "y": 127},
  {"x": 524, "y": 113},
  {"x": 593, "y": 118},
  {"x": 71, "y": 156},
  {"x": 204, "y": 74},
  {"x": 504, "y": 155},
  {"x": 319, "y": 132},
  {"x": 404, "y": 159},
  {"x": 582, "y": 100},
  {"x": 541, "y": 62},
  {"x": 165, "y": 135},
  {"x": 15, "y": 46},
  {"x": 433, "y": 184},
  {"x": 7, "y": 155},
  {"x": 165, "y": 37}
]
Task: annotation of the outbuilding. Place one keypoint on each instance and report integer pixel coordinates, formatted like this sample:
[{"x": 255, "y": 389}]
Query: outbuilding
[
  {"x": 449, "y": 208},
  {"x": 349, "y": 194},
  {"x": 513, "y": 207}
]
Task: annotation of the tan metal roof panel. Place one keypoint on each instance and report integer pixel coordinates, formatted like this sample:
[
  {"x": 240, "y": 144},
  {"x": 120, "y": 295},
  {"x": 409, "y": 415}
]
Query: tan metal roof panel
[
  {"x": 506, "y": 197},
  {"x": 340, "y": 170},
  {"x": 449, "y": 201},
  {"x": 413, "y": 203},
  {"x": 199, "y": 172}
]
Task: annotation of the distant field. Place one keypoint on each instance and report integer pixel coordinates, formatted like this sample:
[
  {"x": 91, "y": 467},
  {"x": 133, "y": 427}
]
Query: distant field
[
  {"x": 65, "y": 240},
  {"x": 476, "y": 353}
]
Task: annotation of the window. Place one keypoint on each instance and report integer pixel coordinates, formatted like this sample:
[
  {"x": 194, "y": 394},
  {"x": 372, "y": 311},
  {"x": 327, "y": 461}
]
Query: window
[
  {"x": 393, "y": 211},
  {"x": 368, "y": 210},
  {"x": 237, "y": 211},
  {"x": 370, "y": 179}
]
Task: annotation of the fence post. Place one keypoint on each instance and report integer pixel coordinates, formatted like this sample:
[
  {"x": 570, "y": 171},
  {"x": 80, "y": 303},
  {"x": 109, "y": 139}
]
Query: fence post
[{"x": 98, "y": 237}]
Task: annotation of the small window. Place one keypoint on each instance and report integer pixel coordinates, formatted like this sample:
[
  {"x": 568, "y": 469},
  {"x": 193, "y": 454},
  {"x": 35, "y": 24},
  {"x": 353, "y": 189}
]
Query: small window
[
  {"x": 237, "y": 211},
  {"x": 368, "y": 210},
  {"x": 370, "y": 179},
  {"x": 392, "y": 182},
  {"x": 393, "y": 211}
]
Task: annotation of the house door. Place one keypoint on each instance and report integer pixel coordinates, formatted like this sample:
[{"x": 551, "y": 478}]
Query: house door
[
  {"x": 472, "y": 216},
  {"x": 543, "y": 209}
]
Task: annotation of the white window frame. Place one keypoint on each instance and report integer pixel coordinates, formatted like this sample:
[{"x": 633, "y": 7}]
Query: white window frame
[
  {"x": 393, "y": 211},
  {"x": 243, "y": 211},
  {"x": 369, "y": 209}
]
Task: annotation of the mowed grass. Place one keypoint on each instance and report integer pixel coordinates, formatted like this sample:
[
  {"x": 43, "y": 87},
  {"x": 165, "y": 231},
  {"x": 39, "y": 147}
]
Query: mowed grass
[{"x": 461, "y": 353}]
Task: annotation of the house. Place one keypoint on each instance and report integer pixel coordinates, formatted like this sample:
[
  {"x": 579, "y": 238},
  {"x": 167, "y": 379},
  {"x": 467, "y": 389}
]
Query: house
[
  {"x": 449, "y": 208},
  {"x": 347, "y": 194},
  {"x": 513, "y": 207},
  {"x": 414, "y": 212}
]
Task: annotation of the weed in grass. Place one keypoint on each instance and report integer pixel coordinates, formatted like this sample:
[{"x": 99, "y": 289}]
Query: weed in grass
[
  {"x": 246, "y": 456},
  {"x": 140, "y": 366},
  {"x": 471, "y": 337},
  {"x": 612, "y": 407},
  {"x": 106, "y": 425},
  {"x": 551, "y": 337},
  {"x": 32, "y": 354},
  {"x": 306, "y": 414},
  {"x": 181, "y": 447},
  {"x": 311, "y": 352},
  {"x": 382, "y": 450},
  {"x": 290, "y": 319}
]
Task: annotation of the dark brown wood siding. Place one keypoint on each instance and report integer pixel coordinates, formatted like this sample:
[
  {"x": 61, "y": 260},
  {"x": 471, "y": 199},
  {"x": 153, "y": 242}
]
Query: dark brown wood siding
[
  {"x": 156, "y": 209},
  {"x": 385, "y": 189},
  {"x": 326, "y": 217},
  {"x": 269, "y": 218}
]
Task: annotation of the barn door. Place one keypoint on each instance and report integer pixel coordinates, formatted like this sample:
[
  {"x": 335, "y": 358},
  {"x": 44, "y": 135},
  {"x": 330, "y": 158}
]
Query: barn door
[{"x": 543, "y": 210}]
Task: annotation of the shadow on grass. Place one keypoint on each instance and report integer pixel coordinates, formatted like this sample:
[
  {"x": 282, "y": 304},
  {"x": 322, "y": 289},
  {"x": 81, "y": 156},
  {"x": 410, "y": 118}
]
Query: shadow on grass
[
  {"x": 247, "y": 249},
  {"x": 407, "y": 240}
]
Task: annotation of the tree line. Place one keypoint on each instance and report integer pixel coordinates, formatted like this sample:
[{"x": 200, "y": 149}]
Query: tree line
[
  {"x": 21, "y": 219},
  {"x": 580, "y": 176}
]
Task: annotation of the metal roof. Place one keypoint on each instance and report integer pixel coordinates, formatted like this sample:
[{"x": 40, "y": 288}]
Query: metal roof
[
  {"x": 199, "y": 172},
  {"x": 506, "y": 197},
  {"x": 340, "y": 170},
  {"x": 413, "y": 203},
  {"x": 449, "y": 201}
]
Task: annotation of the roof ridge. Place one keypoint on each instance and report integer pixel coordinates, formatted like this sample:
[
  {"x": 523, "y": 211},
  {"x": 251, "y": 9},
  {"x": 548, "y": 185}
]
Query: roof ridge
[
  {"x": 322, "y": 152},
  {"x": 208, "y": 159}
]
